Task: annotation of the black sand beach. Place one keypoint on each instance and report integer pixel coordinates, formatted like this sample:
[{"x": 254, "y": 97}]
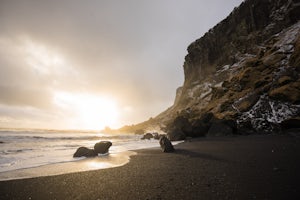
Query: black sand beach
[{"x": 243, "y": 167}]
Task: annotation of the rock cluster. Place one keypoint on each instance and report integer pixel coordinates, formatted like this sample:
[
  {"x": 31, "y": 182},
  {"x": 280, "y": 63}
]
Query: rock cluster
[
  {"x": 99, "y": 148},
  {"x": 149, "y": 136}
]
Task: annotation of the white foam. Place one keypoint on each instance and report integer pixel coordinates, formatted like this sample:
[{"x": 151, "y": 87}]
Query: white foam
[{"x": 20, "y": 151}]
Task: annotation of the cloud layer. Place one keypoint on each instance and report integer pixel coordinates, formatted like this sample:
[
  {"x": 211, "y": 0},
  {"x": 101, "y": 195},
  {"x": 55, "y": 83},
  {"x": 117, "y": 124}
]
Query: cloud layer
[{"x": 131, "y": 51}]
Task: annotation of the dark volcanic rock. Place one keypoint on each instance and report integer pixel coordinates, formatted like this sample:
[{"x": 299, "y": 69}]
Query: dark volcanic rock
[
  {"x": 179, "y": 128},
  {"x": 291, "y": 123},
  {"x": 86, "y": 152},
  {"x": 165, "y": 144},
  {"x": 176, "y": 135},
  {"x": 156, "y": 136},
  {"x": 222, "y": 128},
  {"x": 102, "y": 147},
  {"x": 147, "y": 136}
]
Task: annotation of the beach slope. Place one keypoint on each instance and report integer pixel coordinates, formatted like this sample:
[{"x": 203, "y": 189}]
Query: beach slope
[{"x": 243, "y": 167}]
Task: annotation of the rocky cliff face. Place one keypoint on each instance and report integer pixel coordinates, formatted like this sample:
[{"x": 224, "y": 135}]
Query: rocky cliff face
[{"x": 244, "y": 71}]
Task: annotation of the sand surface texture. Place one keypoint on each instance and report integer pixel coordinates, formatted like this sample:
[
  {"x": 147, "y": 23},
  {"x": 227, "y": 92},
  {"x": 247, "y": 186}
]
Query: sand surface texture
[{"x": 244, "y": 167}]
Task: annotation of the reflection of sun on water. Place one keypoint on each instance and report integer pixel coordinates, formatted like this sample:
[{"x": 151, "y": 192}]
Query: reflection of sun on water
[{"x": 91, "y": 112}]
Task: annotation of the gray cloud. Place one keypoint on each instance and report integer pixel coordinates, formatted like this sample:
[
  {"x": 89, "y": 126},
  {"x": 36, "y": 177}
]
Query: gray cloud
[{"x": 132, "y": 50}]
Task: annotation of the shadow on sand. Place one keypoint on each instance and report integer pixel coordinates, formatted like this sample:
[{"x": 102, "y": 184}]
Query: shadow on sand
[{"x": 193, "y": 154}]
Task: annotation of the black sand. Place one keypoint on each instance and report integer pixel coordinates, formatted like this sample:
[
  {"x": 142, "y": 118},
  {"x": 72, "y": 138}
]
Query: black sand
[{"x": 244, "y": 167}]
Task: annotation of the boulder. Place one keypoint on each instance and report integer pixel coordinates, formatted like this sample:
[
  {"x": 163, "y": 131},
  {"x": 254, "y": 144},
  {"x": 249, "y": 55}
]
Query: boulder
[
  {"x": 147, "y": 136},
  {"x": 201, "y": 125},
  {"x": 86, "y": 152},
  {"x": 156, "y": 136},
  {"x": 102, "y": 147},
  {"x": 165, "y": 144},
  {"x": 222, "y": 128},
  {"x": 179, "y": 128},
  {"x": 176, "y": 135}
]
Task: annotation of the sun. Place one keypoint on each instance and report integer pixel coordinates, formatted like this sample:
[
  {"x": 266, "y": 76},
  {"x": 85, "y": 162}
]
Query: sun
[{"x": 89, "y": 111}]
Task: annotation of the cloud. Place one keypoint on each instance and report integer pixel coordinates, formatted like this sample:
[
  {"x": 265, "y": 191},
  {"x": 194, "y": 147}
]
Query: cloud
[{"x": 130, "y": 50}]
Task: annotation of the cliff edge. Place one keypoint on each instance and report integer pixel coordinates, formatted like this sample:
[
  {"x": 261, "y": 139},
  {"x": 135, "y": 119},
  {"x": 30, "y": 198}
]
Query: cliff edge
[{"x": 241, "y": 77}]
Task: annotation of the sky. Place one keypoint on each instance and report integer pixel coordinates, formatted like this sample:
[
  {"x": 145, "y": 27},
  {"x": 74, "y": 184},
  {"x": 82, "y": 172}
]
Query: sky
[{"x": 73, "y": 64}]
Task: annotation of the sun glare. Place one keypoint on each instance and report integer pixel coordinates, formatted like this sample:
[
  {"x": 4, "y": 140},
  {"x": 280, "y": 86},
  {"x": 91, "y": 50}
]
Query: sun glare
[{"x": 91, "y": 111}]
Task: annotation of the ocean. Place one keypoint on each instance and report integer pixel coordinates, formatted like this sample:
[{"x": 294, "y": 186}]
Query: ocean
[{"x": 25, "y": 149}]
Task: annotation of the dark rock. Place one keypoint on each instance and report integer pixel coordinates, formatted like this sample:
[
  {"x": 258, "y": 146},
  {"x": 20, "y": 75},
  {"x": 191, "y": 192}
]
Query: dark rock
[
  {"x": 147, "y": 136},
  {"x": 289, "y": 92},
  {"x": 218, "y": 92},
  {"x": 245, "y": 128},
  {"x": 156, "y": 136},
  {"x": 290, "y": 123},
  {"x": 165, "y": 144},
  {"x": 182, "y": 123},
  {"x": 176, "y": 135},
  {"x": 295, "y": 58},
  {"x": 178, "y": 129},
  {"x": 86, "y": 152},
  {"x": 207, "y": 117},
  {"x": 222, "y": 128},
  {"x": 200, "y": 128},
  {"x": 102, "y": 147}
]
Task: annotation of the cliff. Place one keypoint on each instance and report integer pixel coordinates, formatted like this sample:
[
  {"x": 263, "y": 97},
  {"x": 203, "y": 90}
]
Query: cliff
[{"x": 241, "y": 76}]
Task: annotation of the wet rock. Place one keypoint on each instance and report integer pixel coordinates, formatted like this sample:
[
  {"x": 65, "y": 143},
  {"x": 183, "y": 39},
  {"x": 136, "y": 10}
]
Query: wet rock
[
  {"x": 83, "y": 151},
  {"x": 102, "y": 147},
  {"x": 147, "y": 136},
  {"x": 165, "y": 144},
  {"x": 156, "y": 136}
]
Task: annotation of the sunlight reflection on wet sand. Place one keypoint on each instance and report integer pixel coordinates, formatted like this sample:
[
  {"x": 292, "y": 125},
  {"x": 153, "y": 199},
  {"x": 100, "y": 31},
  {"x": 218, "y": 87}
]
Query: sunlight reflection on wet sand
[{"x": 99, "y": 162}]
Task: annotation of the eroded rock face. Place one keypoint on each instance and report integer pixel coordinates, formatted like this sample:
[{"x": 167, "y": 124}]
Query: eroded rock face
[
  {"x": 260, "y": 87},
  {"x": 245, "y": 69},
  {"x": 253, "y": 22}
]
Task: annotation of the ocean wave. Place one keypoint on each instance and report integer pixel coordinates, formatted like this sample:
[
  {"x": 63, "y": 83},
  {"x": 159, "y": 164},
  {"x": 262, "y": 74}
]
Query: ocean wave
[{"x": 14, "y": 151}]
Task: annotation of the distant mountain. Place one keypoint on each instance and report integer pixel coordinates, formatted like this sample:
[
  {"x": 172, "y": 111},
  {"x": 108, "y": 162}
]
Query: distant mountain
[{"x": 241, "y": 77}]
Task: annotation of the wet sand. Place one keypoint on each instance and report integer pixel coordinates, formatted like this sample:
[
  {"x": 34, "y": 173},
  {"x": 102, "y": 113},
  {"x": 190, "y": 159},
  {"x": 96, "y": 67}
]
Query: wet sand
[
  {"x": 100, "y": 162},
  {"x": 243, "y": 167}
]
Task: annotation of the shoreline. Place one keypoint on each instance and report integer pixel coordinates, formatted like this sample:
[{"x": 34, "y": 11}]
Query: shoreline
[
  {"x": 111, "y": 160},
  {"x": 81, "y": 165},
  {"x": 242, "y": 167}
]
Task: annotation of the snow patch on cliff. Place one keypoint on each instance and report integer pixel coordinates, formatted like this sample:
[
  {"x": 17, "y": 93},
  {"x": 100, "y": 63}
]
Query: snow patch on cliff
[{"x": 268, "y": 112}]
